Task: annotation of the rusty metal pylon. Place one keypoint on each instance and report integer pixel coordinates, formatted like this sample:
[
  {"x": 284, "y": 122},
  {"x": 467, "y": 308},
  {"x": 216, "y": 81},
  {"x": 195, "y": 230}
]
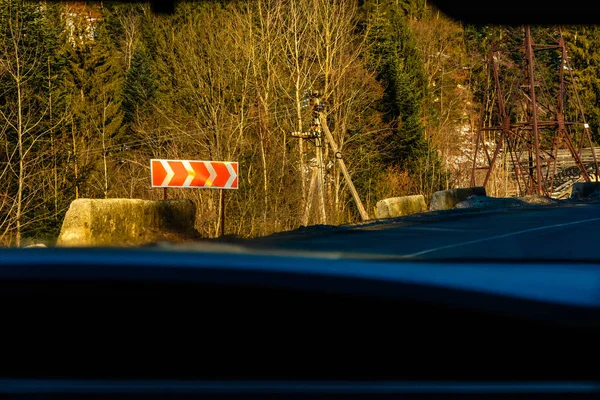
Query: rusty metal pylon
[{"x": 532, "y": 116}]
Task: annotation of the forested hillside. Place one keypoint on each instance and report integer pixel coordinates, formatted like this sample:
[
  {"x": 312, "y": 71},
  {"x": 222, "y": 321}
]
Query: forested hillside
[{"x": 91, "y": 91}]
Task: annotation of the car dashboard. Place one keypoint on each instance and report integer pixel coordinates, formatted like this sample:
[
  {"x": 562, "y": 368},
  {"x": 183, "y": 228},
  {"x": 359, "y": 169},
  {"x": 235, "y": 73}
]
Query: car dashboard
[{"x": 147, "y": 322}]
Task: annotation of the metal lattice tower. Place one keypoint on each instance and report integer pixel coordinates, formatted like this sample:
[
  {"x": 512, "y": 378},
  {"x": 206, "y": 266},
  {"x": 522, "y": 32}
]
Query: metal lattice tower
[{"x": 532, "y": 113}]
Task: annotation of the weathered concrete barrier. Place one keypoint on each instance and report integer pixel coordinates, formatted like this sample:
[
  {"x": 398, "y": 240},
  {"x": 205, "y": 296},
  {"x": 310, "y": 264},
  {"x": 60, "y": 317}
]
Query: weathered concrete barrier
[
  {"x": 447, "y": 199},
  {"x": 399, "y": 206},
  {"x": 475, "y": 201},
  {"x": 538, "y": 199},
  {"x": 126, "y": 222},
  {"x": 490, "y": 202},
  {"x": 582, "y": 190}
]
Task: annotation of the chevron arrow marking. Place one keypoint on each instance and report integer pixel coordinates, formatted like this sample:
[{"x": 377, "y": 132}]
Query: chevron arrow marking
[{"x": 194, "y": 174}]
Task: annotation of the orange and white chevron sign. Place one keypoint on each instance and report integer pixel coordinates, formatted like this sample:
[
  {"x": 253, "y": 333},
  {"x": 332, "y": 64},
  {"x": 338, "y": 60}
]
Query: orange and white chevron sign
[{"x": 194, "y": 174}]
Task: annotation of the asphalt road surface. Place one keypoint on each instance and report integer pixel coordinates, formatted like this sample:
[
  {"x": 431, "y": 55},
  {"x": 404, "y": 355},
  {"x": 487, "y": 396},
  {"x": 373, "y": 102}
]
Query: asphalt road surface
[{"x": 549, "y": 232}]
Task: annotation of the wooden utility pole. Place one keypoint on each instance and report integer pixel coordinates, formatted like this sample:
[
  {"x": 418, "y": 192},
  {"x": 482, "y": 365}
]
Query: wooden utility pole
[
  {"x": 338, "y": 157},
  {"x": 321, "y": 167},
  {"x": 320, "y": 125},
  {"x": 314, "y": 136},
  {"x": 309, "y": 196}
]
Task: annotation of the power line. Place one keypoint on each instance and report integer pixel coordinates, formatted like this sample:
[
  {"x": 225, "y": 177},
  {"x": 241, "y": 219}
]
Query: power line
[{"x": 174, "y": 135}]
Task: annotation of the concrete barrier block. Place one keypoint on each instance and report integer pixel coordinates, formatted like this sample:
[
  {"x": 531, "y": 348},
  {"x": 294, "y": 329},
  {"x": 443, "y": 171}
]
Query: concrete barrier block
[
  {"x": 582, "y": 190},
  {"x": 126, "y": 222},
  {"x": 490, "y": 202},
  {"x": 399, "y": 206},
  {"x": 447, "y": 199}
]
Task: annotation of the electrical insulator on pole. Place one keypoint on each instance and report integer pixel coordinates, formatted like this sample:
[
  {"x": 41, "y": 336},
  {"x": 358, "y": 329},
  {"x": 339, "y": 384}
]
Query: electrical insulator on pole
[{"x": 306, "y": 135}]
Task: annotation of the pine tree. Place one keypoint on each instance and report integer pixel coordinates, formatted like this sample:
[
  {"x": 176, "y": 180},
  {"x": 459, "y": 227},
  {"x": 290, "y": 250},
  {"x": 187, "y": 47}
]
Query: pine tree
[
  {"x": 393, "y": 55},
  {"x": 95, "y": 79},
  {"x": 584, "y": 57},
  {"x": 139, "y": 87}
]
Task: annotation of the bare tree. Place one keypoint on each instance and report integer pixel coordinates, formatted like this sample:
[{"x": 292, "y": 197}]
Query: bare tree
[{"x": 23, "y": 58}]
